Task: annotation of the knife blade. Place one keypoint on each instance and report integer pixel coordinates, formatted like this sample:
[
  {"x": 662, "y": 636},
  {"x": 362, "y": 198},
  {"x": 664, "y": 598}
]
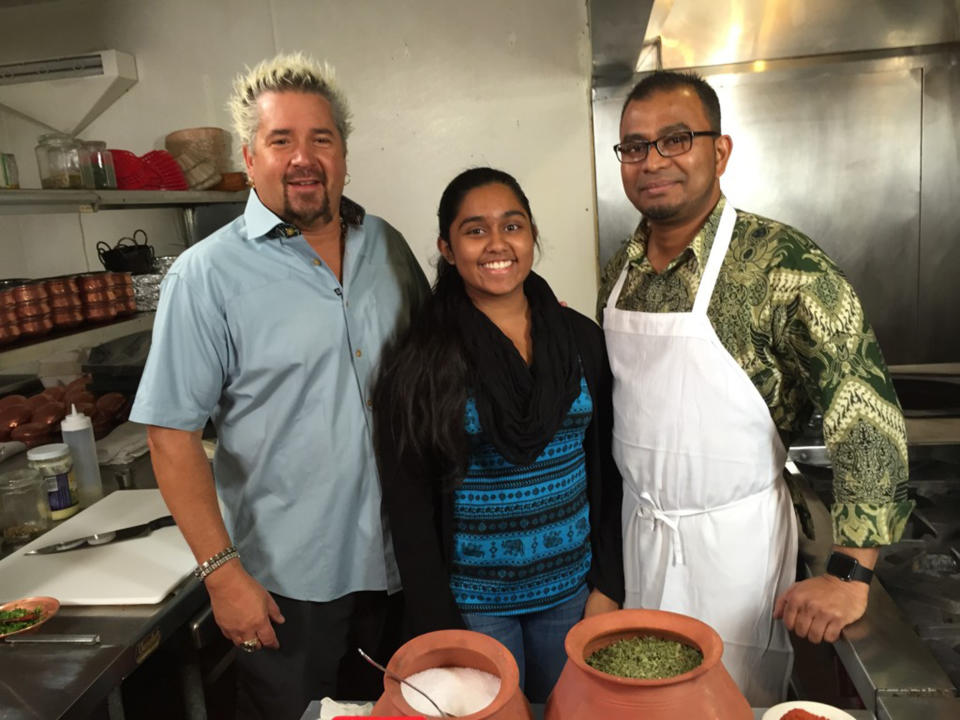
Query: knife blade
[{"x": 127, "y": 533}]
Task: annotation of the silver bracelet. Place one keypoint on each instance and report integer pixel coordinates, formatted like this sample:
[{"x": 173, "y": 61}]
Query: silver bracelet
[{"x": 217, "y": 561}]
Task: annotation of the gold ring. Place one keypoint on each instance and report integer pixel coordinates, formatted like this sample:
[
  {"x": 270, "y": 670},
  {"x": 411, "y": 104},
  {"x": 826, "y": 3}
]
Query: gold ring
[{"x": 251, "y": 645}]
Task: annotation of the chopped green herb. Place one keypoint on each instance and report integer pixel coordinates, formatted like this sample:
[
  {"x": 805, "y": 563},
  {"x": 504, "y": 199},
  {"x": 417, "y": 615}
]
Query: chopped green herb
[
  {"x": 18, "y": 619},
  {"x": 646, "y": 658}
]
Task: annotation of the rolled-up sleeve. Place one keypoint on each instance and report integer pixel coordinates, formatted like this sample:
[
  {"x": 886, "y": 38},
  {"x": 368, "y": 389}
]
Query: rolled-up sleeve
[{"x": 188, "y": 362}]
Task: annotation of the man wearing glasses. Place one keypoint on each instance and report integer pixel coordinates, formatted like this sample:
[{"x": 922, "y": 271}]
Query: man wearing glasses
[{"x": 725, "y": 331}]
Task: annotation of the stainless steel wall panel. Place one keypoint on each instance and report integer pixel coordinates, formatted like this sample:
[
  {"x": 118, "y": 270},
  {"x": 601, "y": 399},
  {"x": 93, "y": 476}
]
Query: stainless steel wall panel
[
  {"x": 837, "y": 155},
  {"x": 616, "y": 217},
  {"x": 939, "y": 279}
]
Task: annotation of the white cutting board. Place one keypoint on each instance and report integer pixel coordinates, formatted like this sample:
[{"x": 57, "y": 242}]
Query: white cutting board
[{"x": 141, "y": 571}]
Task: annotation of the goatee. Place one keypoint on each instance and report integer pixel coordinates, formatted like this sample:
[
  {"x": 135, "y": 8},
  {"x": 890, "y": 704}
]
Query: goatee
[
  {"x": 660, "y": 212},
  {"x": 309, "y": 215}
]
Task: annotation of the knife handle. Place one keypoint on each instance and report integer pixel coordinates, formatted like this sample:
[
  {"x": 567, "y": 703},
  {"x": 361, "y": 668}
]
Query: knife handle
[{"x": 165, "y": 521}]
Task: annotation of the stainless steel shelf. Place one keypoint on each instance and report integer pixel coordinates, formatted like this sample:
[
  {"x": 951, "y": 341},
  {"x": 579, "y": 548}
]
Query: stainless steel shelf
[
  {"x": 22, "y": 354},
  {"x": 64, "y": 201},
  {"x": 112, "y": 199}
]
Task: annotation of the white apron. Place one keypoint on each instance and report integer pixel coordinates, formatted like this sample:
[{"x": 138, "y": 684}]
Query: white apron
[{"x": 708, "y": 524}]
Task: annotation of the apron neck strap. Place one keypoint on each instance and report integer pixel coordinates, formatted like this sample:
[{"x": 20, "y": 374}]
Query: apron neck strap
[
  {"x": 721, "y": 242},
  {"x": 618, "y": 287}
]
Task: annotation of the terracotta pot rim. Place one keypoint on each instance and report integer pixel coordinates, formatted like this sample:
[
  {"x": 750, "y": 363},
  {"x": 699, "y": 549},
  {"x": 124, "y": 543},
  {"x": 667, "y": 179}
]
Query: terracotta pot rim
[
  {"x": 649, "y": 622},
  {"x": 440, "y": 640}
]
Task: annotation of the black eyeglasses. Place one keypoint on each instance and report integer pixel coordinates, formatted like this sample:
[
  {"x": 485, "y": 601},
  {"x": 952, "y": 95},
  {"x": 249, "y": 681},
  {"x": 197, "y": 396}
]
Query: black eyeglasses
[{"x": 676, "y": 143}]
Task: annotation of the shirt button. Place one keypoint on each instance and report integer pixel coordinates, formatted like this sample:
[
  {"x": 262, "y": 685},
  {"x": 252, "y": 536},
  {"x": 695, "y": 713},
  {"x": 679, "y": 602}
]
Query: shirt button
[
  {"x": 317, "y": 261},
  {"x": 359, "y": 353}
]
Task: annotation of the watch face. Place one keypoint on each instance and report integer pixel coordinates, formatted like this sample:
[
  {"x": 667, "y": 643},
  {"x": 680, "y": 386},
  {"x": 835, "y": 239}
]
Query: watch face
[{"x": 841, "y": 566}]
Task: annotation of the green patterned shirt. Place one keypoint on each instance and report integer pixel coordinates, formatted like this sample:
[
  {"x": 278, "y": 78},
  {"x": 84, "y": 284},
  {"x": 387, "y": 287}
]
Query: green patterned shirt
[{"x": 788, "y": 316}]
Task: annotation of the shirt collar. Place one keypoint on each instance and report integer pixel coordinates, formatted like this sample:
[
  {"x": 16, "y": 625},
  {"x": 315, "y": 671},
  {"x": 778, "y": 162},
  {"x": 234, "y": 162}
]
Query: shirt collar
[
  {"x": 262, "y": 222},
  {"x": 699, "y": 247}
]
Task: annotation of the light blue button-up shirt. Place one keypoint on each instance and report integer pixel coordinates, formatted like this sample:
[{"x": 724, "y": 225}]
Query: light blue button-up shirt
[{"x": 254, "y": 331}]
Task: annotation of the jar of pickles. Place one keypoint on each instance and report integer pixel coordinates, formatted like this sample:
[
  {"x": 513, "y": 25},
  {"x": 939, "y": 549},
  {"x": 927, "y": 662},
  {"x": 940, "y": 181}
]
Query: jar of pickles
[
  {"x": 101, "y": 164},
  {"x": 64, "y": 162},
  {"x": 55, "y": 465},
  {"x": 24, "y": 511}
]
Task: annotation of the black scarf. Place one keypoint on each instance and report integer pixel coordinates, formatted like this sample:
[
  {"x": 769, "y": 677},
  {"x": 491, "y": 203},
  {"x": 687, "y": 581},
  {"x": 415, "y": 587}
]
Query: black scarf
[{"x": 521, "y": 408}]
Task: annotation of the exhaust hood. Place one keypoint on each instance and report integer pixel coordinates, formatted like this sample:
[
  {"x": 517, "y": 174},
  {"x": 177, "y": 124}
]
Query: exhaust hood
[
  {"x": 66, "y": 93},
  {"x": 695, "y": 33}
]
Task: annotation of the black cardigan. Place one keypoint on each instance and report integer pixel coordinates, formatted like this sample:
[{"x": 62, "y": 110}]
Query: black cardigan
[{"x": 420, "y": 513}]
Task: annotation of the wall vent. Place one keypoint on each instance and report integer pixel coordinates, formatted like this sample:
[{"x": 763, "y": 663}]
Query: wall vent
[{"x": 66, "y": 93}]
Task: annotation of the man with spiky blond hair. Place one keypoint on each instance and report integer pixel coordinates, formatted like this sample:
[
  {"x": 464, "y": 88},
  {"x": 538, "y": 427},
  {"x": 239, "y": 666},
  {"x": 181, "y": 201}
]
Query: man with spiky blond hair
[{"x": 272, "y": 327}]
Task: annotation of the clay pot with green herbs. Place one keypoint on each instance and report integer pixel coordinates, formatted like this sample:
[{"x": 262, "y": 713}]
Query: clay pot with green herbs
[{"x": 645, "y": 663}]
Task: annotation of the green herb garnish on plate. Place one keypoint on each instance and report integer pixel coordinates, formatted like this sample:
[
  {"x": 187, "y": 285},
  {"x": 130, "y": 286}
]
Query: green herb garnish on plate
[{"x": 19, "y": 618}]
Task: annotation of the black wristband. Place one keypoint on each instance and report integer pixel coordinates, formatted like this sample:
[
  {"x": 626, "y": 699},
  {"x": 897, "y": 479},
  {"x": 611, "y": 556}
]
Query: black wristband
[{"x": 847, "y": 568}]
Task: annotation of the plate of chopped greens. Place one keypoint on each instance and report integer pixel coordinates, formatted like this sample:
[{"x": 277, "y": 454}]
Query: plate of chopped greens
[{"x": 26, "y": 614}]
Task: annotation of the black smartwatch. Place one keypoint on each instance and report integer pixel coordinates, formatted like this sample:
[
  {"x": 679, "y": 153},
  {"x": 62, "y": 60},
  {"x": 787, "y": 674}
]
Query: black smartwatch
[{"x": 848, "y": 568}]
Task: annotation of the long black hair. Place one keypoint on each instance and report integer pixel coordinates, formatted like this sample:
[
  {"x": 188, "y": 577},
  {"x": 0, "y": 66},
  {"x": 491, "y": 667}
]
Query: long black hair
[{"x": 421, "y": 390}]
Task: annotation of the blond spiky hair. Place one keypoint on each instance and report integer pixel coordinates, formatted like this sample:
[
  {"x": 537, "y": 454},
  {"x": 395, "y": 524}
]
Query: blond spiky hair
[{"x": 291, "y": 73}]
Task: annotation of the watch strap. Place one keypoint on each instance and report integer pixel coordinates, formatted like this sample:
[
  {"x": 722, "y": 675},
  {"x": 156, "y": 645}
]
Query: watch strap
[{"x": 848, "y": 568}]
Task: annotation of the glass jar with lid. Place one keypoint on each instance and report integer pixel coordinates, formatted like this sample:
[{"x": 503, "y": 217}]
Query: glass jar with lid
[
  {"x": 55, "y": 465},
  {"x": 64, "y": 162},
  {"x": 101, "y": 164},
  {"x": 24, "y": 510}
]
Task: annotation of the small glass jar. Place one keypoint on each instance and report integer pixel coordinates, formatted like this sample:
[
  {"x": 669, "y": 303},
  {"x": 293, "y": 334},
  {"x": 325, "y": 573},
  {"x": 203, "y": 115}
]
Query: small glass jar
[
  {"x": 24, "y": 512},
  {"x": 9, "y": 175},
  {"x": 64, "y": 163},
  {"x": 55, "y": 465},
  {"x": 101, "y": 165}
]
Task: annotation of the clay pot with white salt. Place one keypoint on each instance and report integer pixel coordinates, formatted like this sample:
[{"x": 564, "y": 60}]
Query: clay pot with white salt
[
  {"x": 706, "y": 691},
  {"x": 471, "y": 694}
]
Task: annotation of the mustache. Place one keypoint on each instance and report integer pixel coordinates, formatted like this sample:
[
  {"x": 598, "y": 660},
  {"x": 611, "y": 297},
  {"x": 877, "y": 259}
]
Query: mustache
[
  {"x": 654, "y": 181},
  {"x": 296, "y": 175}
]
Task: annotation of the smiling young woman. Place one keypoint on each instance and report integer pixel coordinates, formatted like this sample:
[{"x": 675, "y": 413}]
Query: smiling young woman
[{"x": 493, "y": 408}]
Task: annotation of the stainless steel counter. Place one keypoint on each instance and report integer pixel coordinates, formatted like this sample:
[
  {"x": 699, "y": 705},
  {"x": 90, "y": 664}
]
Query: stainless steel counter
[
  {"x": 894, "y": 673},
  {"x": 68, "y": 681},
  {"x": 893, "y": 669}
]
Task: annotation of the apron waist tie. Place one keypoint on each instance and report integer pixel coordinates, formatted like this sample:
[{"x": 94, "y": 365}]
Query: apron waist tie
[{"x": 648, "y": 508}]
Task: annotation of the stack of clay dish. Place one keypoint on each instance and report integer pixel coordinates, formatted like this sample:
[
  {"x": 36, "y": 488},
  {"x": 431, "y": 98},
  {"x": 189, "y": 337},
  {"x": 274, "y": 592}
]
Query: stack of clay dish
[
  {"x": 98, "y": 296},
  {"x": 9, "y": 322},
  {"x": 706, "y": 693},
  {"x": 122, "y": 285},
  {"x": 66, "y": 307},
  {"x": 34, "y": 316}
]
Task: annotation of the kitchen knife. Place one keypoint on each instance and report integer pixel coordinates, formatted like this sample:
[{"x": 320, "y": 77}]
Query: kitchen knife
[{"x": 126, "y": 533}]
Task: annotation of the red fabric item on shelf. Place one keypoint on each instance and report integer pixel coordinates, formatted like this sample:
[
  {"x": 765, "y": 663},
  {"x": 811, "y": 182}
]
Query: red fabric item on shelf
[
  {"x": 129, "y": 170},
  {"x": 169, "y": 174}
]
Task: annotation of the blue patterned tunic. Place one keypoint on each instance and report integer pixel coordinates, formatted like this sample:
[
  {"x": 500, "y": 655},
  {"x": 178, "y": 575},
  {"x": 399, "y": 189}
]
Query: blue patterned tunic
[{"x": 522, "y": 533}]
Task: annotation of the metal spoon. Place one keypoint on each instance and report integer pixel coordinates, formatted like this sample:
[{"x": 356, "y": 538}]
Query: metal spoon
[{"x": 393, "y": 675}]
